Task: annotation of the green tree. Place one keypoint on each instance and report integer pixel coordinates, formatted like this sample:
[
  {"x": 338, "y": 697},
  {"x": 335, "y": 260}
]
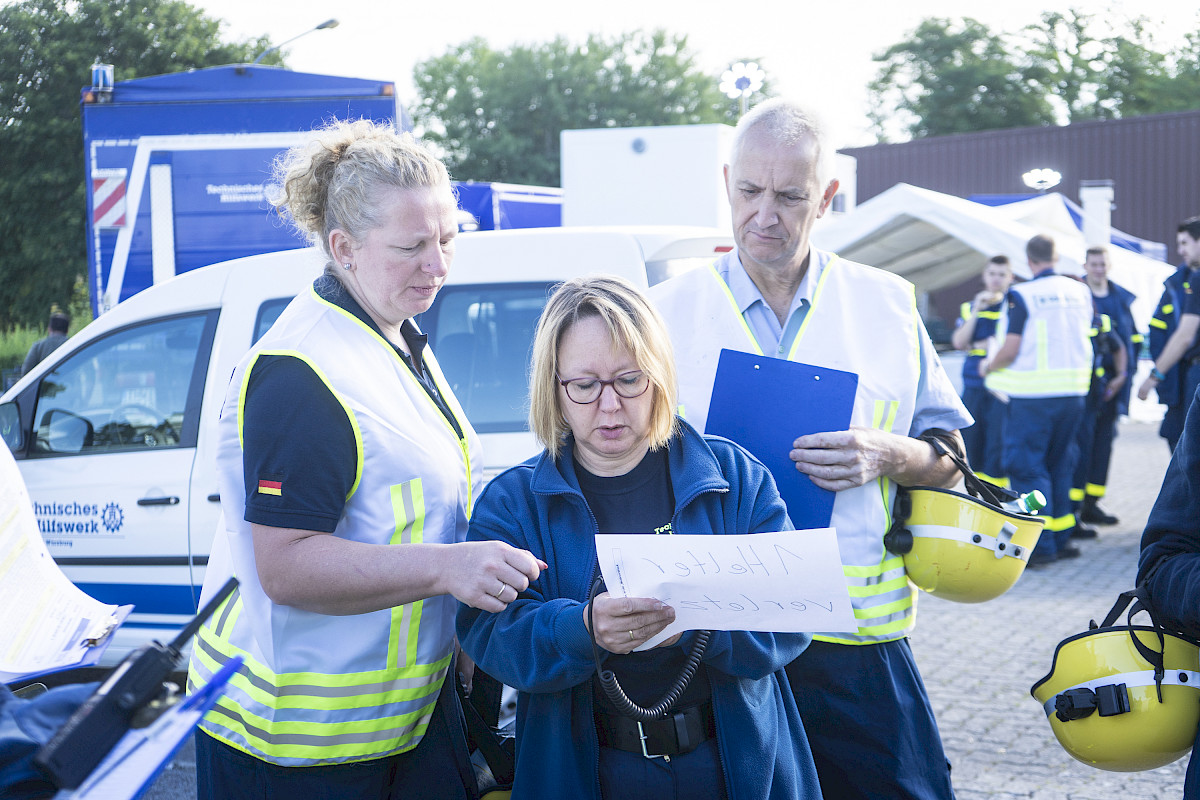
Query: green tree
[
  {"x": 497, "y": 114},
  {"x": 47, "y": 48},
  {"x": 955, "y": 77},
  {"x": 1069, "y": 62}
]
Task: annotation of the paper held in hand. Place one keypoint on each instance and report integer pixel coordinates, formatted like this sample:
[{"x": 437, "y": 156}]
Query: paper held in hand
[{"x": 788, "y": 582}]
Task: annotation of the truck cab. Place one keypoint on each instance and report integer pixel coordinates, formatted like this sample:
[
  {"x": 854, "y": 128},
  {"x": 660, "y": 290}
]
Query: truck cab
[{"x": 115, "y": 432}]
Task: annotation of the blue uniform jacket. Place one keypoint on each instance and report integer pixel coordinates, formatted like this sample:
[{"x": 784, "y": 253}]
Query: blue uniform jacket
[
  {"x": 1170, "y": 390},
  {"x": 539, "y": 644},
  {"x": 1170, "y": 556}
]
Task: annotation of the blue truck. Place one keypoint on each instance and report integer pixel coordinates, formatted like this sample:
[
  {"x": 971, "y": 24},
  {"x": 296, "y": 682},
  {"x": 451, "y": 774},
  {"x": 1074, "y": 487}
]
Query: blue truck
[
  {"x": 177, "y": 168},
  {"x": 177, "y": 165}
]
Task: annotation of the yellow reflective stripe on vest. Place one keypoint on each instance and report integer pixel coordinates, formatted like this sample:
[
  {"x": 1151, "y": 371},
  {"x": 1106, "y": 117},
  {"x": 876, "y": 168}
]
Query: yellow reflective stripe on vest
[
  {"x": 977, "y": 352},
  {"x": 964, "y": 312},
  {"x": 825, "y": 273},
  {"x": 316, "y": 717},
  {"x": 241, "y": 409},
  {"x": 736, "y": 311},
  {"x": 1155, "y": 322},
  {"x": 989, "y": 315},
  {"x": 408, "y": 508}
]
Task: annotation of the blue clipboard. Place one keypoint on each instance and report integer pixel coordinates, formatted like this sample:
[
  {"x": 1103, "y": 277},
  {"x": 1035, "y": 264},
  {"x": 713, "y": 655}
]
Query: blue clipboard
[
  {"x": 129, "y": 770},
  {"x": 765, "y": 403}
]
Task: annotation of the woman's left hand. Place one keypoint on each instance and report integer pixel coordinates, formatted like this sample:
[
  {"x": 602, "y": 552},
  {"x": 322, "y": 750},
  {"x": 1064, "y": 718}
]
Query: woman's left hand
[{"x": 624, "y": 623}]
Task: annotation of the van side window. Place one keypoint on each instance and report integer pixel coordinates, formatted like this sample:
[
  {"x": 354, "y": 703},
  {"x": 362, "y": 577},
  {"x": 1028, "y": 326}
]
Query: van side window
[
  {"x": 127, "y": 391},
  {"x": 482, "y": 336},
  {"x": 268, "y": 312}
]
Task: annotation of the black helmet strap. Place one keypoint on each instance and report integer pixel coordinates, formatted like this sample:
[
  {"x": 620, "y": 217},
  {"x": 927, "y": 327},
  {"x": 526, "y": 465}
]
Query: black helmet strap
[{"x": 1138, "y": 600}]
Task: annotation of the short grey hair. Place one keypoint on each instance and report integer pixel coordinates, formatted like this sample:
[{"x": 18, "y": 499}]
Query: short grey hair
[{"x": 787, "y": 122}]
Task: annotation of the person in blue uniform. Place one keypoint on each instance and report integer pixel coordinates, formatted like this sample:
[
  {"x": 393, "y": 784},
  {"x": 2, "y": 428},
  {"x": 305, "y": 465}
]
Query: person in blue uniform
[
  {"x": 618, "y": 460},
  {"x": 975, "y": 333},
  {"x": 1115, "y": 345},
  {"x": 1169, "y": 564},
  {"x": 1176, "y": 371},
  {"x": 1045, "y": 368}
]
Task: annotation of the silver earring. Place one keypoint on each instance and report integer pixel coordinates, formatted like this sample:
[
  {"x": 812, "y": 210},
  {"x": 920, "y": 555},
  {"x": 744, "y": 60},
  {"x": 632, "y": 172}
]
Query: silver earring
[{"x": 347, "y": 265}]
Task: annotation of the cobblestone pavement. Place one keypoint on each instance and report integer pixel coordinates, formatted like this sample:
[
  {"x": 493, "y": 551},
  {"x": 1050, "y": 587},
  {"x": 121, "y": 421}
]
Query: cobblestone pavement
[{"x": 979, "y": 661}]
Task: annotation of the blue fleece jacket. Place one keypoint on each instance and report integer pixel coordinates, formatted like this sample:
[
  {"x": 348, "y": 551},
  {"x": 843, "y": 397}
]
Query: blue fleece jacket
[
  {"x": 539, "y": 644},
  {"x": 1170, "y": 559}
]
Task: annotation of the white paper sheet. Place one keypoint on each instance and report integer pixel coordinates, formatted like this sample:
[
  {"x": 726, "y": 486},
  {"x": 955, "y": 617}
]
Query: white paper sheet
[
  {"x": 788, "y": 582},
  {"x": 45, "y": 621}
]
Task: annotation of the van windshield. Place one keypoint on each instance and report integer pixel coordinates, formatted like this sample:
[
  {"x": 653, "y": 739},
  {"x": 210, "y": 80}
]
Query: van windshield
[{"x": 482, "y": 336}]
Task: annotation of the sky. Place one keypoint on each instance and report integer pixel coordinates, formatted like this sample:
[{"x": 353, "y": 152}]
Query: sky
[{"x": 821, "y": 52}]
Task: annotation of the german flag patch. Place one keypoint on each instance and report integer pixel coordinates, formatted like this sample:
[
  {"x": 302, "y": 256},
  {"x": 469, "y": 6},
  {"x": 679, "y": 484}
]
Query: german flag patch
[{"x": 271, "y": 487}]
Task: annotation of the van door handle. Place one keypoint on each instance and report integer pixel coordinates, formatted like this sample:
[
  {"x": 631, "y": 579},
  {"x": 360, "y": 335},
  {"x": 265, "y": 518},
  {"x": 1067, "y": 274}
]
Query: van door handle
[
  {"x": 158, "y": 501},
  {"x": 214, "y": 498}
]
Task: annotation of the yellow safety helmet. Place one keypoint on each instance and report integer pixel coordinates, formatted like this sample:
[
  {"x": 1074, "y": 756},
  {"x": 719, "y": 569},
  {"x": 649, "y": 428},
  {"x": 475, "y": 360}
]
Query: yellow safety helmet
[
  {"x": 960, "y": 548},
  {"x": 1123, "y": 698}
]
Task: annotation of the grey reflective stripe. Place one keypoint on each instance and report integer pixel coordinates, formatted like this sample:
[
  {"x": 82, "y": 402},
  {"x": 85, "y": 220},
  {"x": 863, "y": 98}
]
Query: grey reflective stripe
[
  {"x": 967, "y": 537},
  {"x": 223, "y": 619},
  {"x": 390, "y": 735},
  {"x": 310, "y": 690},
  {"x": 402, "y": 629},
  {"x": 410, "y": 512},
  {"x": 1134, "y": 680}
]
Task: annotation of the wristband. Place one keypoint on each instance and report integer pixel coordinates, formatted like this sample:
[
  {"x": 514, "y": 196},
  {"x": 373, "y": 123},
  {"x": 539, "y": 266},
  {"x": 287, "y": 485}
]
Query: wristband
[{"x": 1158, "y": 376}]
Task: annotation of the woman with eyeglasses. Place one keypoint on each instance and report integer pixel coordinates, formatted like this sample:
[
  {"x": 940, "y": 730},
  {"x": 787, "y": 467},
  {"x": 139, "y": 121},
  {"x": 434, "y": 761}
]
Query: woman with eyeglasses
[{"x": 618, "y": 460}]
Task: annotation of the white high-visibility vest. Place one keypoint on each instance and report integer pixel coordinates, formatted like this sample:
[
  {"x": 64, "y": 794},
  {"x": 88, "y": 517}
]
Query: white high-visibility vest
[
  {"x": 862, "y": 320},
  {"x": 318, "y": 689},
  {"x": 1055, "y": 359}
]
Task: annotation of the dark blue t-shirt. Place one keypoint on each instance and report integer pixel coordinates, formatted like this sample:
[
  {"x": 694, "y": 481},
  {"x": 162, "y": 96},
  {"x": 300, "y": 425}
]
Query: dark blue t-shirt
[
  {"x": 641, "y": 501},
  {"x": 299, "y": 452}
]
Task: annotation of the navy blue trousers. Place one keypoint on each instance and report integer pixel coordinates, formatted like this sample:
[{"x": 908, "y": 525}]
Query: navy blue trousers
[
  {"x": 1040, "y": 451},
  {"x": 436, "y": 769},
  {"x": 869, "y": 722},
  {"x": 1096, "y": 434},
  {"x": 985, "y": 439},
  {"x": 694, "y": 776}
]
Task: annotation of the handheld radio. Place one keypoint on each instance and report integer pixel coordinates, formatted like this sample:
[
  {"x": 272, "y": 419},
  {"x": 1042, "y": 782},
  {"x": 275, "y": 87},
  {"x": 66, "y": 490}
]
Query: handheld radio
[{"x": 97, "y": 725}]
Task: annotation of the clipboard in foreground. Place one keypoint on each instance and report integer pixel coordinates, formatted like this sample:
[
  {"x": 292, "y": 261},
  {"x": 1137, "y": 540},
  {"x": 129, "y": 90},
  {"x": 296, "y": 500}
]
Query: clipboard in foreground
[
  {"x": 765, "y": 403},
  {"x": 142, "y": 753}
]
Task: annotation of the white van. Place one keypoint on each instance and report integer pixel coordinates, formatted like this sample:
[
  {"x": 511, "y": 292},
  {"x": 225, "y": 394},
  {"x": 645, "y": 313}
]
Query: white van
[{"x": 114, "y": 432}]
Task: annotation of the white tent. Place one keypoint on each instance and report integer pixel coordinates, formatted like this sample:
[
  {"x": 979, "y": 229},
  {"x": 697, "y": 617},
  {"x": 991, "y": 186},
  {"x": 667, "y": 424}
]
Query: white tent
[{"x": 937, "y": 240}]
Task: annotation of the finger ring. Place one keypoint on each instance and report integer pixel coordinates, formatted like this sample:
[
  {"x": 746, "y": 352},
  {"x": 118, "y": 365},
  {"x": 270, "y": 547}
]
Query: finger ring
[
  {"x": 632, "y": 638},
  {"x": 503, "y": 586}
]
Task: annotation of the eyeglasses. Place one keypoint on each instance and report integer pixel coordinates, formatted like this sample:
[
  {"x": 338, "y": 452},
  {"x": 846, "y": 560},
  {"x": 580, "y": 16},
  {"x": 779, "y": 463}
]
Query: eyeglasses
[{"x": 587, "y": 390}]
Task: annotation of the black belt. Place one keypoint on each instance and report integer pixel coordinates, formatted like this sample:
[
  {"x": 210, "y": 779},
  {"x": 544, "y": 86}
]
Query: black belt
[{"x": 677, "y": 733}]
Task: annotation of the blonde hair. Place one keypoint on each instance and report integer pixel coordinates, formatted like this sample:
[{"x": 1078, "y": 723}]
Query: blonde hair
[
  {"x": 336, "y": 180},
  {"x": 632, "y": 322}
]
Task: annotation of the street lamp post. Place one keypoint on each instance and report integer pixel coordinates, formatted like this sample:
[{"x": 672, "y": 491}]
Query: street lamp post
[
  {"x": 742, "y": 80},
  {"x": 329, "y": 23}
]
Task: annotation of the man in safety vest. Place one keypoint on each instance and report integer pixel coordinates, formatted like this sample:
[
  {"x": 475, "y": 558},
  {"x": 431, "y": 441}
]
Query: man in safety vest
[
  {"x": 1173, "y": 340},
  {"x": 864, "y": 707},
  {"x": 1044, "y": 367}
]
